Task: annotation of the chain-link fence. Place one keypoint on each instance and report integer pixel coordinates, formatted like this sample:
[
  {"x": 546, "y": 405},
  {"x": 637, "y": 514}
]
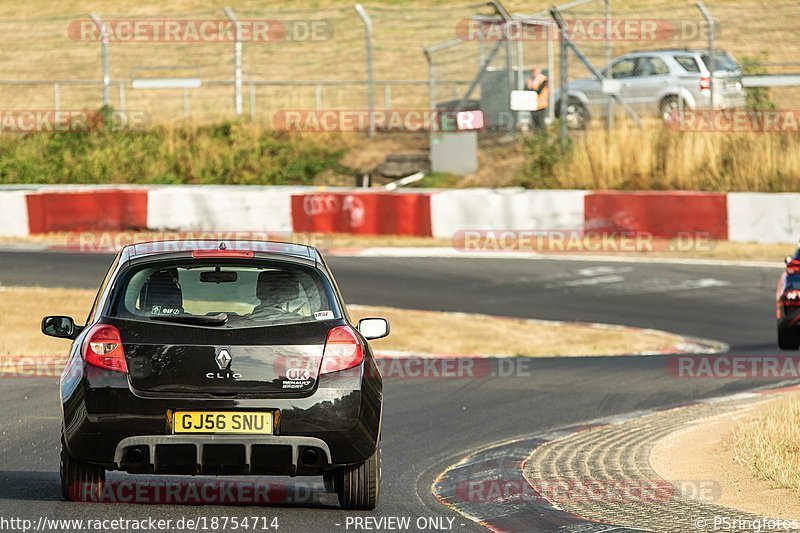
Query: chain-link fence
[
  {"x": 316, "y": 58},
  {"x": 461, "y": 57},
  {"x": 172, "y": 65},
  {"x": 497, "y": 50}
]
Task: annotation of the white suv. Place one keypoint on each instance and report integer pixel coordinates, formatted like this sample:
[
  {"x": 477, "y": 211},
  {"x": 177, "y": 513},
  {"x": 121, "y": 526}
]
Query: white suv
[{"x": 655, "y": 82}]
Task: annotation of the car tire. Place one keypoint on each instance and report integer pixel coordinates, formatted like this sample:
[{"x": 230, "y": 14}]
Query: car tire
[
  {"x": 329, "y": 481},
  {"x": 80, "y": 481},
  {"x": 668, "y": 106},
  {"x": 577, "y": 114},
  {"x": 788, "y": 339},
  {"x": 358, "y": 486}
]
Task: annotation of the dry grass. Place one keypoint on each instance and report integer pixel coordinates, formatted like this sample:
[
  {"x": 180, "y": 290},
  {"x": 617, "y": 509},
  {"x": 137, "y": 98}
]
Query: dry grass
[
  {"x": 654, "y": 158},
  {"x": 414, "y": 331},
  {"x": 770, "y": 445},
  {"x": 22, "y": 310},
  {"x": 459, "y": 333}
]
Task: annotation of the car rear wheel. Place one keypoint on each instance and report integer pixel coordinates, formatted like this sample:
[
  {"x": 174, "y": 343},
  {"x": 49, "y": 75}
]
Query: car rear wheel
[
  {"x": 670, "y": 105},
  {"x": 788, "y": 339},
  {"x": 577, "y": 114},
  {"x": 358, "y": 486},
  {"x": 80, "y": 481}
]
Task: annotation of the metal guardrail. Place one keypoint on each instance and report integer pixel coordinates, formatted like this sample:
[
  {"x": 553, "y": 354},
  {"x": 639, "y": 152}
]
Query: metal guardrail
[{"x": 771, "y": 80}]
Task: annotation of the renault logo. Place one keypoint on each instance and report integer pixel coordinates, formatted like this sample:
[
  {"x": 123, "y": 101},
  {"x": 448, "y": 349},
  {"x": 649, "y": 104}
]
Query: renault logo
[{"x": 223, "y": 359}]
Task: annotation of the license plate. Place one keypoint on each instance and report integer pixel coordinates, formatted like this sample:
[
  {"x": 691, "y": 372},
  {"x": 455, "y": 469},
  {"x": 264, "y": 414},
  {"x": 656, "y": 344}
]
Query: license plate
[{"x": 236, "y": 422}]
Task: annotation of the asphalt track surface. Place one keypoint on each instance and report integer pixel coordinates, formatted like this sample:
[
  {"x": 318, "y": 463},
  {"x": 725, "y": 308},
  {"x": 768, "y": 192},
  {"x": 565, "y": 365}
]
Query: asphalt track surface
[{"x": 431, "y": 423}]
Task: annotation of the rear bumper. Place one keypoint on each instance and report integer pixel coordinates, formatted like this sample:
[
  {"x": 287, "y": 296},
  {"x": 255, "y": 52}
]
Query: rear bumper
[
  {"x": 217, "y": 454},
  {"x": 103, "y": 417},
  {"x": 723, "y": 101},
  {"x": 789, "y": 318}
]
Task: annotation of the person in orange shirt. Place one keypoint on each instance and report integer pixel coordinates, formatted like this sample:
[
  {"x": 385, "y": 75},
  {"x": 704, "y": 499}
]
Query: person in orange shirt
[{"x": 538, "y": 82}]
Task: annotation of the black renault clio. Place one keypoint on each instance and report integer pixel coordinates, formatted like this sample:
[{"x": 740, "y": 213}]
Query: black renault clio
[{"x": 209, "y": 357}]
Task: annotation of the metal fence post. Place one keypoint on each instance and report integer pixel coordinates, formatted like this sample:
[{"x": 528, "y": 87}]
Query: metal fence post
[
  {"x": 431, "y": 81},
  {"x": 522, "y": 116},
  {"x": 710, "y": 30},
  {"x": 252, "y": 101},
  {"x": 237, "y": 61},
  {"x": 610, "y": 108},
  {"x": 364, "y": 16},
  {"x": 57, "y": 97},
  {"x": 597, "y": 73},
  {"x": 103, "y": 55},
  {"x": 563, "y": 92},
  {"x": 551, "y": 70},
  {"x": 122, "y": 97}
]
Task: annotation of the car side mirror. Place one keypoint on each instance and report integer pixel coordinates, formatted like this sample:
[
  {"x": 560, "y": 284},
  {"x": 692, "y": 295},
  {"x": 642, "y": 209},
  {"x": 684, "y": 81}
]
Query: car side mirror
[
  {"x": 787, "y": 259},
  {"x": 62, "y": 327},
  {"x": 373, "y": 328}
]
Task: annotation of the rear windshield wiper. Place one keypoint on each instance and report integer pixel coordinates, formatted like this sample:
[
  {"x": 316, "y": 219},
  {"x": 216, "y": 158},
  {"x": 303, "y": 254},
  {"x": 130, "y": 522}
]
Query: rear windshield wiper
[{"x": 201, "y": 320}]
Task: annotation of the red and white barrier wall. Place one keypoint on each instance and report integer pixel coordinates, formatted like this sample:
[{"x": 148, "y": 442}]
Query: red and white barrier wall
[
  {"x": 213, "y": 208},
  {"x": 505, "y": 209},
  {"x": 741, "y": 217},
  {"x": 767, "y": 218},
  {"x": 374, "y": 213},
  {"x": 13, "y": 213}
]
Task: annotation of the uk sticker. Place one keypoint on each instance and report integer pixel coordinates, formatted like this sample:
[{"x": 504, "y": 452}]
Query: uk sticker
[{"x": 323, "y": 315}]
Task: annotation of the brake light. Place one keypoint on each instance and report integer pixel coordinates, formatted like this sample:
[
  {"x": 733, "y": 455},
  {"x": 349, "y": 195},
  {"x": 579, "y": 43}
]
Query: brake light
[
  {"x": 791, "y": 298},
  {"x": 103, "y": 348},
  {"x": 222, "y": 253},
  {"x": 343, "y": 350},
  {"x": 705, "y": 83},
  {"x": 793, "y": 266}
]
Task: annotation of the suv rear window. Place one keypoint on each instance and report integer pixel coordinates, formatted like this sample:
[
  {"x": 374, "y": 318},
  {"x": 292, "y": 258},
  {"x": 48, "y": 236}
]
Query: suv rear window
[
  {"x": 224, "y": 294},
  {"x": 688, "y": 63},
  {"x": 722, "y": 61}
]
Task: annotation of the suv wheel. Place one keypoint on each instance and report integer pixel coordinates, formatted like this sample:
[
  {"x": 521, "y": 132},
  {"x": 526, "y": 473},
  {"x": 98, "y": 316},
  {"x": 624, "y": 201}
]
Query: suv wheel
[
  {"x": 80, "y": 481},
  {"x": 358, "y": 486},
  {"x": 577, "y": 114},
  {"x": 669, "y": 106},
  {"x": 788, "y": 339}
]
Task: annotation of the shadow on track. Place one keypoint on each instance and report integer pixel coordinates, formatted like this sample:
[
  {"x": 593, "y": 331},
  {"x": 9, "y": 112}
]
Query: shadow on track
[{"x": 29, "y": 486}]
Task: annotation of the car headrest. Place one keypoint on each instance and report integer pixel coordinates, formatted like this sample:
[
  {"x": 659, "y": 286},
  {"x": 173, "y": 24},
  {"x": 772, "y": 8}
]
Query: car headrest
[
  {"x": 277, "y": 287},
  {"x": 161, "y": 289}
]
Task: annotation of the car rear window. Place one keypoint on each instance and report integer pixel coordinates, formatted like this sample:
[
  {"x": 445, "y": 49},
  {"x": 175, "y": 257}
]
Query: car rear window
[
  {"x": 722, "y": 61},
  {"x": 227, "y": 294},
  {"x": 688, "y": 63}
]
